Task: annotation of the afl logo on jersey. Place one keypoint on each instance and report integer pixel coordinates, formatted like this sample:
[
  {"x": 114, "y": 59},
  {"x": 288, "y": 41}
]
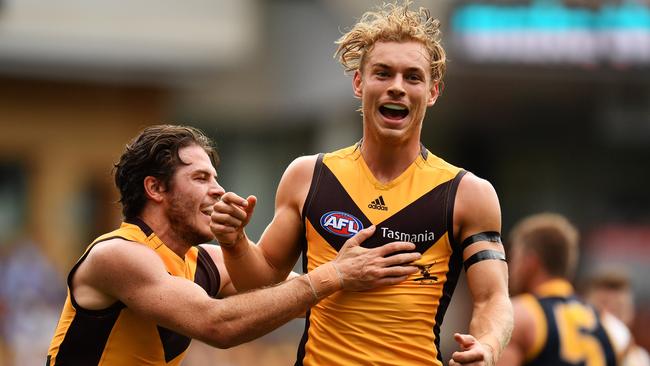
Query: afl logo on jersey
[{"x": 340, "y": 223}]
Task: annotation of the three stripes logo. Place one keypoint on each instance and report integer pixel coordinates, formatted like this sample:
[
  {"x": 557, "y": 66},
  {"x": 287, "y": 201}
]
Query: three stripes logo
[{"x": 378, "y": 204}]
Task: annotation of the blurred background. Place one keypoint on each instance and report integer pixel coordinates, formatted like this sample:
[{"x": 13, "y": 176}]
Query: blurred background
[{"x": 548, "y": 99}]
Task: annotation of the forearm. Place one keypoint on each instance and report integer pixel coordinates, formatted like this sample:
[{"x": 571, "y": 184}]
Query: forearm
[
  {"x": 241, "y": 318},
  {"x": 492, "y": 322},
  {"x": 248, "y": 267}
]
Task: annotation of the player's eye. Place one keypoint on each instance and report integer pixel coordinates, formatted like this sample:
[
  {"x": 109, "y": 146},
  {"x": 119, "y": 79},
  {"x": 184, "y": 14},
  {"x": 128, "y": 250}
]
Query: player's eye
[{"x": 414, "y": 77}]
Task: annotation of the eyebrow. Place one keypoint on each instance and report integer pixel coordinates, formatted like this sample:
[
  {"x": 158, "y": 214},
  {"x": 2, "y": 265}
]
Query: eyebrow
[
  {"x": 386, "y": 66},
  {"x": 382, "y": 65},
  {"x": 204, "y": 172}
]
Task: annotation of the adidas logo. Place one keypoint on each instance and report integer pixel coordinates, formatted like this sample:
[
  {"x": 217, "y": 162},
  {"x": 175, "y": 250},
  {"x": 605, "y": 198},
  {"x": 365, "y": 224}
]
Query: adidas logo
[{"x": 378, "y": 204}]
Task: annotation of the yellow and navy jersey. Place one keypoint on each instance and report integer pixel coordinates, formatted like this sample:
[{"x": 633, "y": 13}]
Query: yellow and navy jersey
[
  {"x": 568, "y": 331},
  {"x": 395, "y": 325},
  {"x": 116, "y": 335}
]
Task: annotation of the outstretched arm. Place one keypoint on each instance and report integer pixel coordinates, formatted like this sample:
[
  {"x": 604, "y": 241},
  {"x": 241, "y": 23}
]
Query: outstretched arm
[
  {"x": 477, "y": 211},
  {"x": 278, "y": 249},
  {"x": 135, "y": 275},
  {"x": 226, "y": 287}
]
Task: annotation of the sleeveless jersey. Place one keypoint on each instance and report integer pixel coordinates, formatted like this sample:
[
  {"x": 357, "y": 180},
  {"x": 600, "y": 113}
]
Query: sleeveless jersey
[
  {"x": 395, "y": 325},
  {"x": 117, "y": 336},
  {"x": 568, "y": 332}
]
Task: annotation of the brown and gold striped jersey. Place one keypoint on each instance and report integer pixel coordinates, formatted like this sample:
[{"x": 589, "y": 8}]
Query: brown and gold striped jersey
[
  {"x": 396, "y": 325},
  {"x": 117, "y": 336}
]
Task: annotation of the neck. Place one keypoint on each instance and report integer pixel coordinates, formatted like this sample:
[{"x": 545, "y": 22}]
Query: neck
[
  {"x": 388, "y": 161},
  {"x": 163, "y": 230},
  {"x": 539, "y": 279}
]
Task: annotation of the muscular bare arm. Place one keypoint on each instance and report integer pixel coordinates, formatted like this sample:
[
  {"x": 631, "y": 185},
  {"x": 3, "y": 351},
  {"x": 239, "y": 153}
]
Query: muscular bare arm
[
  {"x": 274, "y": 256},
  {"x": 522, "y": 338},
  {"x": 134, "y": 274},
  {"x": 477, "y": 210},
  {"x": 226, "y": 287}
]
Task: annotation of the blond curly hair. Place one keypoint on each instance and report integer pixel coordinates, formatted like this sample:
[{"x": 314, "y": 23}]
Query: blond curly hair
[{"x": 392, "y": 22}]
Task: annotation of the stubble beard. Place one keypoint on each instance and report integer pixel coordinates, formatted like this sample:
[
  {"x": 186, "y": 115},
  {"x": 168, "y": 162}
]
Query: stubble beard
[{"x": 180, "y": 212}]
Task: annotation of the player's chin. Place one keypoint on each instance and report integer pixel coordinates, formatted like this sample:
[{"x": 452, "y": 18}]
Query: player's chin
[{"x": 203, "y": 234}]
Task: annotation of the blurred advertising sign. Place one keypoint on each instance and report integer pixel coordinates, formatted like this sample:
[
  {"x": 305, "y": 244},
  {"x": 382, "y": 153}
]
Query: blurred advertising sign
[{"x": 550, "y": 32}]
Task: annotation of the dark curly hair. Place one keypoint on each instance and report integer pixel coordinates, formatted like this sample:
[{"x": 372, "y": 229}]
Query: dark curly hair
[{"x": 154, "y": 152}]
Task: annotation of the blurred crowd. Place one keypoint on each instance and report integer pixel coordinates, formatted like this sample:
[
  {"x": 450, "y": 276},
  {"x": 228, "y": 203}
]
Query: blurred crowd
[{"x": 32, "y": 292}]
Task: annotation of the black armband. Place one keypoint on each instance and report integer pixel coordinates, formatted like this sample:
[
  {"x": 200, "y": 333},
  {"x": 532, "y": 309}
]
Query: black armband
[
  {"x": 491, "y": 236},
  {"x": 483, "y": 255}
]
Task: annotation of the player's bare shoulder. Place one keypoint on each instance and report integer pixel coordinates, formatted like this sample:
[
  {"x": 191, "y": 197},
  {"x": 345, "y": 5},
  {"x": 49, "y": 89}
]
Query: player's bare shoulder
[
  {"x": 118, "y": 252},
  {"x": 107, "y": 266},
  {"x": 301, "y": 169},
  {"x": 477, "y": 201},
  {"x": 296, "y": 180}
]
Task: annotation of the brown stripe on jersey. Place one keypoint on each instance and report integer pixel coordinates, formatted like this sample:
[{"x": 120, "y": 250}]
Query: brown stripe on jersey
[
  {"x": 141, "y": 224},
  {"x": 173, "y": 343},
  {"x": 300, "y": 354},
  {"x": 207, "y": 273},
  {"x": 422, "y": 216},
  {"x": 329, "y": 195},
  {"x": 86, "y": 338},
  {"x": 425, "y": 215},
  {"x": 206, "y": 276},
  {"x": 318, "y": 169},
  {"x": 455, "y": 261}
]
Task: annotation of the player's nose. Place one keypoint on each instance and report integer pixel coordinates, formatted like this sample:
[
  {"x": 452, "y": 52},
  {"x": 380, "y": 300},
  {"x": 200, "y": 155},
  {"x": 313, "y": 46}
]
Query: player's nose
[
  {"x": 396, "y": 89},
  {"x": 216, "y": 190}
]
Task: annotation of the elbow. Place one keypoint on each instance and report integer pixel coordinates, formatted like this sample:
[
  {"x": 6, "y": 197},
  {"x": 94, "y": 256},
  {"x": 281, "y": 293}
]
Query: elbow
[
  {"x": 220, "y": 341},
  {"x": 223, "y": 336},
  {"x": 222, "y": 344}
]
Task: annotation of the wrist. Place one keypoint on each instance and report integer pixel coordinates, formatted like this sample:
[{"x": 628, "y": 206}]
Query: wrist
[
  {"x": 325, "y": 280},
  {"x": 494, "y": 355},
  {"x": 236, "y": 249}
]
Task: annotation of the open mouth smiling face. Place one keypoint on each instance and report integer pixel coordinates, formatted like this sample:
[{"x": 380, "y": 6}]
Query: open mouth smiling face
[
  {"x": 394, "y": 111},
  {"x": 207, "y": 211}
]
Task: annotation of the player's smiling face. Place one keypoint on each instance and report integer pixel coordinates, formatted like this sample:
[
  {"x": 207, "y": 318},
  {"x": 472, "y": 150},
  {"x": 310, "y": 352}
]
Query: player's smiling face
[
  {"x": 194, "y": 191},
  {"x": 395, "y": 88}
]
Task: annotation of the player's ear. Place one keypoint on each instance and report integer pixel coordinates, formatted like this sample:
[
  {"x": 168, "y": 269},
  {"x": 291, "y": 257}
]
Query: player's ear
[
  {"x": 433, "y": 94},
  {"x": 153, "y": 188},
  {"x": 357, "y": 83}
]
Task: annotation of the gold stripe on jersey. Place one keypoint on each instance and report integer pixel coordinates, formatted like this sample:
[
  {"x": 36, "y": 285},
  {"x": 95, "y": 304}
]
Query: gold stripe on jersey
[
  {"x": 116, "y": 335},
  {"x": 395, "y": 325}
]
